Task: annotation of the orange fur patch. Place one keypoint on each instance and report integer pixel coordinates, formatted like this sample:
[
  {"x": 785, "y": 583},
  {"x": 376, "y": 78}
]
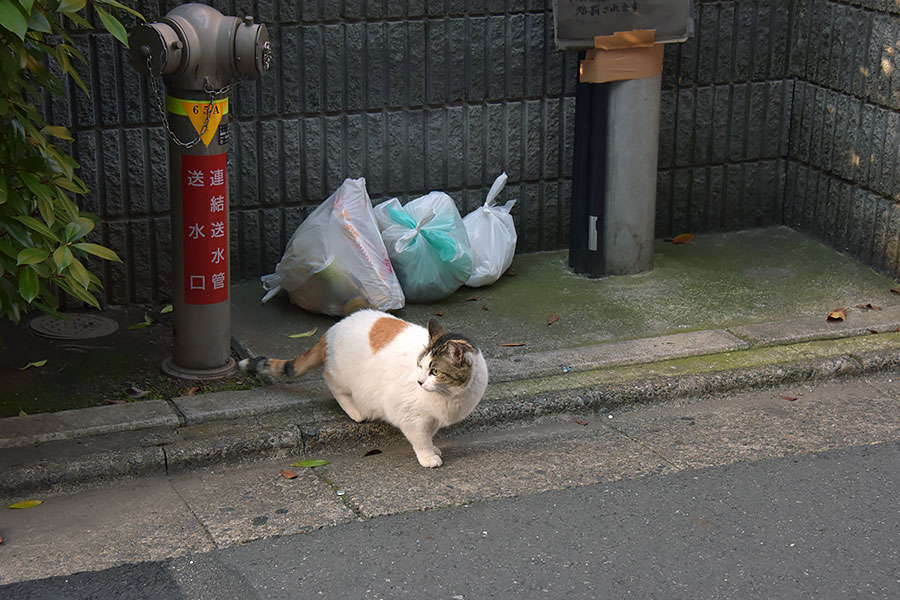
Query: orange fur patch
[{"x": 383, "y": 331}]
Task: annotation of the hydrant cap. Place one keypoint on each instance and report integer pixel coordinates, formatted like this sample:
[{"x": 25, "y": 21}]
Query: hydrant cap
[{"x": 252, "y": 50}]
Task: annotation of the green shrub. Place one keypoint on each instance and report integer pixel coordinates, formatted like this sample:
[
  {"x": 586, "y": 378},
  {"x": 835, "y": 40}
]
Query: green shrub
[{"x": 43, "y": 234}]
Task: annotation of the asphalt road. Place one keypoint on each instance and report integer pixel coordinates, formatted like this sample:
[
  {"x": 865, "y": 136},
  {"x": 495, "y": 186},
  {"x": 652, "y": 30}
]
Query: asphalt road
[{"x": 823, "y": 525}]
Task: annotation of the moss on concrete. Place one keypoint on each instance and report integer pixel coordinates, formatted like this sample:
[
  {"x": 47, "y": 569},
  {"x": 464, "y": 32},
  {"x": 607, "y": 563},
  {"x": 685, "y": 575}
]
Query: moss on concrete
[
  {"x": 697, "y": 365},
  {"x": 715, "y": 282}
]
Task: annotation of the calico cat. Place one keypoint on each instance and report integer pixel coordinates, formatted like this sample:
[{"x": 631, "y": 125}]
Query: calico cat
[{"x": 380, "y": 367}]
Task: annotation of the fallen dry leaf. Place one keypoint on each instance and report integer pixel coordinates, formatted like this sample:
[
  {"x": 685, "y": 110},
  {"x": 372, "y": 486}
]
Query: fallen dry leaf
[
  {"x": 552, "y": 319},
  {"x": 136, "y": 393},
  {"x": 895, "y": 291},
  {"x": 288, "y": 474},
  {"x": 868, "y": 306},
  {"x": 146, "y": 323},
  {"x": 372, "y": 452},
  {"x": 484, "y": 307},
  {"x": 304, "y": 334},
  {"x": 438, "y": 313},
  {"x": 580, "y": 422},
  {"x": 837, "y": 314},
  {"x": 25, "y": 504},
  {"x": 37, "y": 363},
  {"x": 512, "y": 344},
  {"x": 473, "y": 298},
  {"x": 191, "y": 391},
  {"x": 788, "y": 398},
  {"x": 309, "y": 463},
  {"x": 684, "y": 238},
  {"x": 872, "y": 331}
]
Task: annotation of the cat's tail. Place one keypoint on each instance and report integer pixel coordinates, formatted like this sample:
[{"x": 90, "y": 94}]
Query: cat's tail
[{"x": 311, "y": 359}]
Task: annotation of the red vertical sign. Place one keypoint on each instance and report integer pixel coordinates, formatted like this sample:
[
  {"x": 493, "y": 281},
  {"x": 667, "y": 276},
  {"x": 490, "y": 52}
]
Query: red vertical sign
[{"x": 205, "y": 228}]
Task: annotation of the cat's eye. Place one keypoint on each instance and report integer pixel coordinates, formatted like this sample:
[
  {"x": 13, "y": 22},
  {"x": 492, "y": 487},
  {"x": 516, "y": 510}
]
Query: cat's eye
[{"x": 434, "y": 372}]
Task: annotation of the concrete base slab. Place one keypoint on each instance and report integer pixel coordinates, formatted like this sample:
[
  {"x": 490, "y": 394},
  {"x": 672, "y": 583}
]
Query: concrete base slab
[
  {"x": 788, "y": 420},
  {"x": 489, "y": 466},
  {"x": 240, "y": 504},
  {"x": 859, "y": 321},
  {"x": 98, "y": 529},
  {"x": 543, "y": 364},
  {"x": 68, "y": 424}
]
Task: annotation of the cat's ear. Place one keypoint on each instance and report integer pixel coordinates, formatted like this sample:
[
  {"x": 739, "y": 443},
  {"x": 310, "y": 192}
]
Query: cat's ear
[
  {"x": 458, "y": 353},
  {"x": 434, "y": 330}
]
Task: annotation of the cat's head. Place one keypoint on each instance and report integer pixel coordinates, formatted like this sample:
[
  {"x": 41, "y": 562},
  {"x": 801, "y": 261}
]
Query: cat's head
[{"x": 445, "y": 365}]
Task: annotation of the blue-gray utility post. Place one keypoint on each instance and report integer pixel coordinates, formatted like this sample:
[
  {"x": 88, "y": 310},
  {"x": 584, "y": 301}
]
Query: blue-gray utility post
[{"x": 617, "y": 100}]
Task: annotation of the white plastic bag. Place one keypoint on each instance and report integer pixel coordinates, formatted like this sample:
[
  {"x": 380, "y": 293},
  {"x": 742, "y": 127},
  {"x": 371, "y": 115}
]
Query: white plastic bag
[
  {"x": 336, "y": 262},
  {"x": 428, "y": 245},
  {"x": 492, "y": 235}
]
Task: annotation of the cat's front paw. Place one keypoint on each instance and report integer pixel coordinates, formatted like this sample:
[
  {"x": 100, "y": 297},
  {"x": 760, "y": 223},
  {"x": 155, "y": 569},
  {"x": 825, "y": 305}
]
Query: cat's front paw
[{"x": 431, "y": 461}]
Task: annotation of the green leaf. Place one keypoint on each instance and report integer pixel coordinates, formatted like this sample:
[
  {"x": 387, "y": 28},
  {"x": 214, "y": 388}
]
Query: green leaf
[
  {"x": 3, "y": 190},
  {"x": 66, "y": 284},
  {"x": 37, "y": 363},
  {"x": 47, "y": 310},
  {"x": 305, "y": 464},
  {"x": 112, "y": 25},
  {"x": 166, "y": 309},
  {"x": 70, "y": 6},
  {"x": 30, "y": 256},
  {"x": 121, "y": 6},
  {"x": 27, "y": 5},
  {"x": 63, "y": 257},
  {"x": 147, "y": 323},
  {"x": 79, "y": 273},
  {"x": 37, "y": 226},
  {"x": 25, "y": 504},
  {"x": 46, "y": 209},
  {"x": 305, "y": 333},
  {"x": 28, "y": 284},
  {"x": 38, "y": 22},
  {"x": 98, "y": 250},
  {"x": 78, "y": 228},
  {"x": 7, "y": 248},
  {"x": 58, "y": 131},
  {"x": 79, "y": 20},
  {"x": 73, "y": 186},
  {"x": 12, "y": 19}
]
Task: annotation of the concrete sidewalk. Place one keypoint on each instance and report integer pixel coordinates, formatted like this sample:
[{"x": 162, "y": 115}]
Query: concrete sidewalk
[
  {"x": 726, "y": 312},
  {"x": 222, "y": 505}
]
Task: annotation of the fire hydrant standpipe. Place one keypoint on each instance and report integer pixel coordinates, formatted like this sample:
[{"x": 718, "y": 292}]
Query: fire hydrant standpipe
[{"x": 200, "y": 54}]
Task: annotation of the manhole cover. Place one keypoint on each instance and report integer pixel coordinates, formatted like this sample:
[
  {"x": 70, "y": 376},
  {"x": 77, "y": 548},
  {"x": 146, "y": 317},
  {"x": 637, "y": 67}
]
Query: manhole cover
[{"x": 73, "y": 327}]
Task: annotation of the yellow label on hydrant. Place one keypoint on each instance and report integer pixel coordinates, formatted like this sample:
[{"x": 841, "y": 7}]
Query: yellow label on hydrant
[{"x": 196, "y": 112}]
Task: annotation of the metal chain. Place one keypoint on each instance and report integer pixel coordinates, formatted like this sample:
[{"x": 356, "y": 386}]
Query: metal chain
[{"x": 164, "y": 112}]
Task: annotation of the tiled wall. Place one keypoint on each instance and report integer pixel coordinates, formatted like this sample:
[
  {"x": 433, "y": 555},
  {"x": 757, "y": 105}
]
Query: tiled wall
[
  {"x": 776, "y": 111},
  {"x": 725, "y": 118},
  {"x": 413, "y": 95},
  {"x": 842, "y": 180}
]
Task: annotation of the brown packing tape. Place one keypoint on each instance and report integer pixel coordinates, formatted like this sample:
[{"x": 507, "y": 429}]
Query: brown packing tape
[
  {"x": 602, "y": 66},
  {"x": 625, "y": 39}
]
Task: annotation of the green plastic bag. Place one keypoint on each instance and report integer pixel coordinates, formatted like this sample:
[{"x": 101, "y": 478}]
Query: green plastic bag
[{"x": 427, "y": 243}]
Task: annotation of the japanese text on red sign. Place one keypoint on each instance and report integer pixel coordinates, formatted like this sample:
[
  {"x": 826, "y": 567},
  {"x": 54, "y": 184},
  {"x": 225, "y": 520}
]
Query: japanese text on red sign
[{"x": 205, "y": 228}]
